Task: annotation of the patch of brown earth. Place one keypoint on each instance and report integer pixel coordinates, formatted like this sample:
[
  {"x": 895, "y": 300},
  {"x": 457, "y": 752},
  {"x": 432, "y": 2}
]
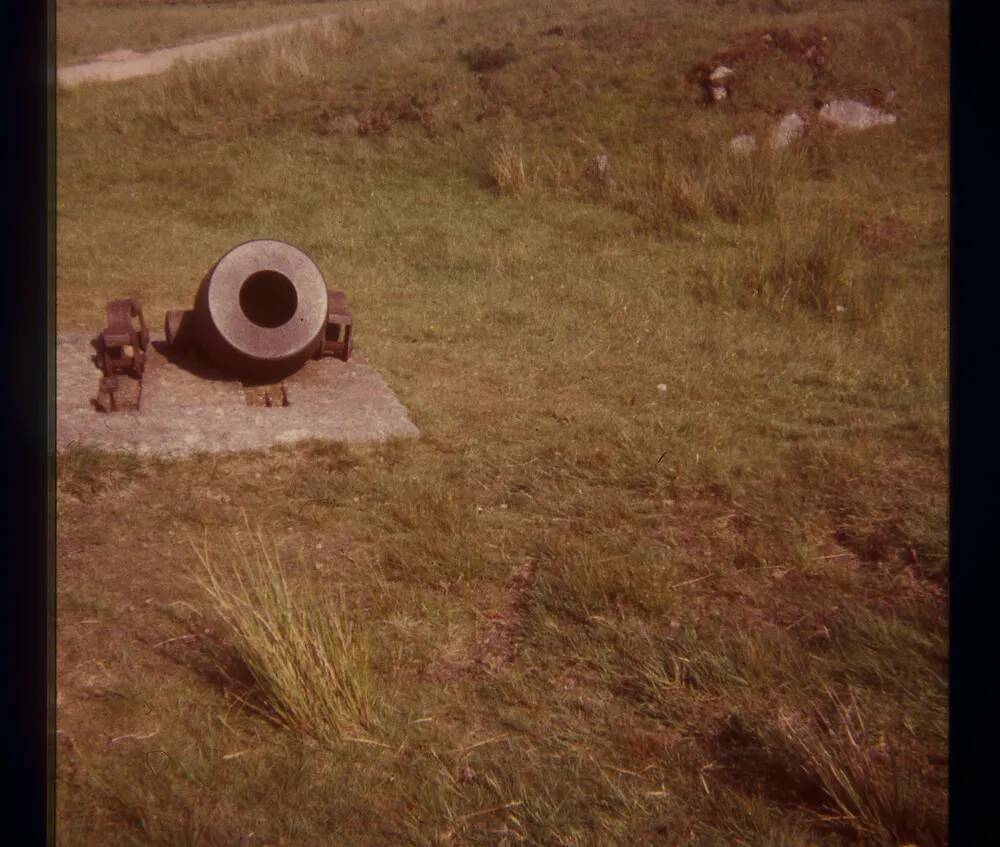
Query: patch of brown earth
[
  {"x": 885, "y": 231},
  {"x": 495, "y": 645}
]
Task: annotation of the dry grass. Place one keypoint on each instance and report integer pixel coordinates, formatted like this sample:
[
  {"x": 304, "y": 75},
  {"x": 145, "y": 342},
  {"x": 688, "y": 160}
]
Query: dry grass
[
  {"x": 713, "y": 182},
  {"x": 873, "y": 781},
  {"x": 818, "y": 268},
  {"x": 87, "y": 28},
  {"x": 486, "y": 58},
  {"x": 507, "y": 169},
  {"x": 664, "y": 190},
  {"x": 306, "y": 654},
  {"x": 193, "y": 90}
]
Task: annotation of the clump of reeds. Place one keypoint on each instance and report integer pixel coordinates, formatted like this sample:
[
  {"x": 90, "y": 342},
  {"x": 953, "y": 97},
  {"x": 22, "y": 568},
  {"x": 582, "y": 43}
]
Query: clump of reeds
[{"x": 303, "y": 650}]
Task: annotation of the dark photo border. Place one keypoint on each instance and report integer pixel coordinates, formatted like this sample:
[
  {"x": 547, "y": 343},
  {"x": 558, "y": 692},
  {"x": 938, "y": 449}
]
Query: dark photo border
[
  {"x": 975, "y": 340},
  {"x": 27, "y": 610},
  {"x": 27, "y": 616}
]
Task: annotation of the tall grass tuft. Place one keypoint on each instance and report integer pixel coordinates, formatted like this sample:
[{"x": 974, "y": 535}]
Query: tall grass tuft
[
  {"x": 667, "y": 191},
  {"x": 863, "y": 774},
  {"x": 791, "y": 265},
  {"x": 745, "y": 187},
  {"x": 507, "y": 169},
  {"x": 304, "y": 652}
]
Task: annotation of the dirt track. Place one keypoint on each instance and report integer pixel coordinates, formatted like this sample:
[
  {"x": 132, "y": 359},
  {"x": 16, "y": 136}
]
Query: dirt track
[{"x": 124, "y": 64}]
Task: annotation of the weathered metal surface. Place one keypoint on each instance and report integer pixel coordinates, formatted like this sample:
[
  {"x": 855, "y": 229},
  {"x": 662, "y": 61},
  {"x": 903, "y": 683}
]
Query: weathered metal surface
[
  {"x": 121, "y": 351},
  {"x": 121, "y": 345},
  {"x": 262, "y": 311},
  {"x": 119, "y": 393},
  {"x": 337, "y": 336},
  {"x": 107, "y": 387},
  {"x": 179, "y": 326},
  {"x": 266, "y": 395}
]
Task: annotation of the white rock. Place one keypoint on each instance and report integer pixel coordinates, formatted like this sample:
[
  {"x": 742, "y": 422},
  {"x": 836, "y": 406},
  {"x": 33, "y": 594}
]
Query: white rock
[
  {"x": 662, "y": 387},
  {"x": 719, "y": 82},
  {"x": 787, "y": 130},
  {"x": 851, "y": 114},
  {"x": 743, "y": 144}
]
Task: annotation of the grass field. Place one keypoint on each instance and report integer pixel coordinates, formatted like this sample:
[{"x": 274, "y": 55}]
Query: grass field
[
  {"x": 668, "y": 564},
  {"x": 87, "y": 28}
]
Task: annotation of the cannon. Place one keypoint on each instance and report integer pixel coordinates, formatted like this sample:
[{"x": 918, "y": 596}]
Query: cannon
[
  {"x": 262, "y": 311},
  {"x": 259, "y": 314}
]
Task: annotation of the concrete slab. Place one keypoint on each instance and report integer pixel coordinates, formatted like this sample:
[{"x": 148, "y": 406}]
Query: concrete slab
[{"x": 186, "y": 406}]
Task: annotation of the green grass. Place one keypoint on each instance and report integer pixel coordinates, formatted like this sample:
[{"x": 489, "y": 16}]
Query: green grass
[
  {"x": 817, "y": 266},
  {"x": 676, "y": 526}
]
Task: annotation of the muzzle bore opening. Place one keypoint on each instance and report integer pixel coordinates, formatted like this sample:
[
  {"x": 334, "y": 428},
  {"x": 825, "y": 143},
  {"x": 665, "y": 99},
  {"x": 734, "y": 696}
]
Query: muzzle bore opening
[{"x": 268, "y": 299}]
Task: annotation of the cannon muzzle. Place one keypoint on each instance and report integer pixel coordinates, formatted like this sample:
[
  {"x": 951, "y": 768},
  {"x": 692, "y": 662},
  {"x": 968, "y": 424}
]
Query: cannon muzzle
[{"x": 262, "y": 311}]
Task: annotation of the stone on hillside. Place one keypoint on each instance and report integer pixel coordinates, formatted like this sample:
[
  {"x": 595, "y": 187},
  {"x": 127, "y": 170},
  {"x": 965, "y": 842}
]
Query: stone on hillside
[
  {"x": 719, "y": 82},
  {"x": 743, "y": 144},
  {"x": 790, "y": 128},
  {"x": 852, "y": 114}
]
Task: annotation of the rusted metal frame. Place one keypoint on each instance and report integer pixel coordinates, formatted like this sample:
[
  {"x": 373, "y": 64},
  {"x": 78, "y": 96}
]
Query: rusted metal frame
[
  {"x": 107, "y": 388},
  {"x": 121, "y": 349},
  {"x": 122, "y": 346},
  {"x": 337, "y": 335}
]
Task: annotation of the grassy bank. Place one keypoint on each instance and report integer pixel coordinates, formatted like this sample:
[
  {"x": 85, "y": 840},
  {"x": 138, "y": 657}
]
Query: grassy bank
[
  {"x": 669, "y": 561},
  {"x": 87, "y": 28}
]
